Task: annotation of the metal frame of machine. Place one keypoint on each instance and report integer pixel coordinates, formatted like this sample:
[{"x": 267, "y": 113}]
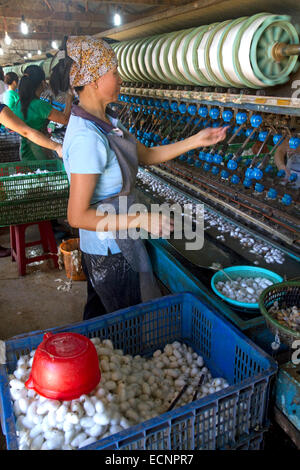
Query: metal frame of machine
[{"x": 280, "y": 107}]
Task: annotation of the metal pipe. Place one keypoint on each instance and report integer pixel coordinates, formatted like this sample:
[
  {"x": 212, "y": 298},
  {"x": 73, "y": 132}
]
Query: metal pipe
[{"x": 281, "y": 50}]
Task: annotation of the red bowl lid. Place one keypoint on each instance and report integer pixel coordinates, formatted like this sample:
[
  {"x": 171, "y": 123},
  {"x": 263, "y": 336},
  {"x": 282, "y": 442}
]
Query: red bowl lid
[
  {"x": 65, "y": 366},
  {"x": 64, "y": 345}
]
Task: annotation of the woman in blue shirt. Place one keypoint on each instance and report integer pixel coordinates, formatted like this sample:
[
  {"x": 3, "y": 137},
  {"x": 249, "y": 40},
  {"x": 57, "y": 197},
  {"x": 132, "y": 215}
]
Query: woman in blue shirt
[{"x": 101, "y": 159}]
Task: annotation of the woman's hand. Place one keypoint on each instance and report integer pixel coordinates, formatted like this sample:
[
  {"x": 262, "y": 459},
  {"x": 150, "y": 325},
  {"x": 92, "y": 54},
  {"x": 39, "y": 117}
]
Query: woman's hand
[
  {"x": 210, "y": 136},
  {"x": 58, "y": 150},
  {"x": 163, "y": 153},
  {"x": 157, "y": 224}
]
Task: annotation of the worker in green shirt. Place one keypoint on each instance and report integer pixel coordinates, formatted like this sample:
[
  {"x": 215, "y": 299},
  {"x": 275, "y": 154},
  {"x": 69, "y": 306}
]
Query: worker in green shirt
[
  {"x": 11, "y": 97},
  {"x": 35, "y": 112}
]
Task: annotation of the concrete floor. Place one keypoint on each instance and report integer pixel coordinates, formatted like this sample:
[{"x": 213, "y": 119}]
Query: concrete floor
[{"x": 33, "y": 302}]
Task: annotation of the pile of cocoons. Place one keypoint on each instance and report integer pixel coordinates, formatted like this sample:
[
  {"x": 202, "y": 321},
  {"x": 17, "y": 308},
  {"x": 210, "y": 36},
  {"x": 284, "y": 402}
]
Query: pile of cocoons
[
  {"x": 288, "y": 316},
  {"x": 36, "y": 172},
  {"x": 259, "y": 249},
  {"x": 244, "y": 289},
  {"x": 132, "y": 389}
]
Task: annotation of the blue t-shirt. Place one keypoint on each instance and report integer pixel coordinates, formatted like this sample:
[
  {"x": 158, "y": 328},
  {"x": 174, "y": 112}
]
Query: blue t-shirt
[{"x": 86, "y": 150}]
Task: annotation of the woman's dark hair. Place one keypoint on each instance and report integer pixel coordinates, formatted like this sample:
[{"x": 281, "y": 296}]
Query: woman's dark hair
[
  {"x": 60, "y": 76},
  {"x": 29, "y": 83},
  {"x": 1, "y": 74},
  {"x": 11, "y": 77}
]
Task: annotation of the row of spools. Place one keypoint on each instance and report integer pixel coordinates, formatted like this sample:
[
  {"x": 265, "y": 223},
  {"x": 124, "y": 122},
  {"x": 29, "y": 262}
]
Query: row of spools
[
  {"x": 233, "y": 53},
  {"x": 46, "y": 64}
]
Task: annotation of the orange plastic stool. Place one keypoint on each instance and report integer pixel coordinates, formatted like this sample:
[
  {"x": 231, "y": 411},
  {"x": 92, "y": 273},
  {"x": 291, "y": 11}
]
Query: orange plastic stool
[{"x": 18, "y": 245}]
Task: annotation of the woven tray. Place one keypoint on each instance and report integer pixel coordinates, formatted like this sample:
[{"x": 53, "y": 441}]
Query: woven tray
[{"x": 287, "y": 294}]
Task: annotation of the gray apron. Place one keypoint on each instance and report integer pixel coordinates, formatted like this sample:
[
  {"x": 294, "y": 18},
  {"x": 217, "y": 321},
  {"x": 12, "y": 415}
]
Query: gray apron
[{"x": 134, "y": 251}]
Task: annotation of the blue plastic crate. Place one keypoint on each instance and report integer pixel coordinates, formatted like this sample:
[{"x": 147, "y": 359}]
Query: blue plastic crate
[{"x": 213, "y": 422}]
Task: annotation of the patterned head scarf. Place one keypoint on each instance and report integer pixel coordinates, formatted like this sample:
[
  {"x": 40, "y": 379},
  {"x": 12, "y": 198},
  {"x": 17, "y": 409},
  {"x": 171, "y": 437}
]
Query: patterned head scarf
[{"x": 92, "y": 58}]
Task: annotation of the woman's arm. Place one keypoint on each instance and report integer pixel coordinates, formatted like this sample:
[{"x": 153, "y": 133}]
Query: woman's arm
[
  {"x": 279, "y": 157},
  {"x": 81, "y": 215},
  {"x": 11, "y": 121},
  {"x": 68, "y": 104},
  {"x": 62, "y": 117},
  {"x": 58, "y": 116},
  {"x": 163, "y": 153}
]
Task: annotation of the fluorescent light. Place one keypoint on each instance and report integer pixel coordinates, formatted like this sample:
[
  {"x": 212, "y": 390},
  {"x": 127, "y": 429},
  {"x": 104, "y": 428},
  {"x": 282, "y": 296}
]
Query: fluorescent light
[
  {"x": 1, "y": 51},
  {"x": 7, "y": 39},
  {"x": 54, "y": 45},
  {"x": 24, "y": 26},
  {"x": 117, "y": 19},
  {"x": 39, "y": 52},
  {"x": 29, "y": 55}
]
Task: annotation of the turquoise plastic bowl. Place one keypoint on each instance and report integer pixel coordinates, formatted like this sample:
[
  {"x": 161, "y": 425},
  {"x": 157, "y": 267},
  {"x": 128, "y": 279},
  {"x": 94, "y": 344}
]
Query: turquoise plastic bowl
[{"x": 242, "y": 271}]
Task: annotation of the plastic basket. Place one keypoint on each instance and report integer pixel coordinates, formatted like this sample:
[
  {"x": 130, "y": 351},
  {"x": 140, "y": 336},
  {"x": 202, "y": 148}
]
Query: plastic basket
[
  {"x": 9, "y": 147},
  {"x": 72, "y": 272},
  {"x": 9, "y": 139},
  {"x": 16, "y": 184},
  {"x": 213, "y": 422},
  {"x": 10, "y": 154},
  {"x": 244, "y": 272},
  {"x": 287, "y": 294},
  {"x": 255, "y": 442},
  {"x": 33, "y": 211},
  {"x": 28, "y": 198}
]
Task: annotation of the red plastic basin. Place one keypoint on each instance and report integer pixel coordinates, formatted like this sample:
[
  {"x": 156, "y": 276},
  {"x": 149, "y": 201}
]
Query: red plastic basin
[{"x": 65, "y": 366}]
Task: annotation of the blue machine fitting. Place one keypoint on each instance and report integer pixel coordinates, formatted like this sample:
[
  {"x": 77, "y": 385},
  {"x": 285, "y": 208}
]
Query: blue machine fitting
[
  {"x": 293, "y": 177},
  {"x": 174, "y": 106},
  {"x": 272, "y": 193},
  {"x": 227, "y": 115},
  {"x": 182, "y": 108},
  {"x": 166, "y": 105},
  {"x": 241, "y": 118},
  {"x": 224, "y": 174},
  {"x": 203, "y": 111},
  {"x": 217, "y": 158},
  {"x": 248, "y": 132},
  {"x": 256, "y": 120},
  {"x": 235, "y": 129},
  {"x": 209, "y": 158},
  {"x": 287, "y": 200},
  {"x": 247, "y": 182},
  {"x": 192, "y": 109},
  {"x": 276, "y": 138},
  {"x": 214, "y": 113},
  {"x": 257, "y": 174},
  {"x": 235, "y": 179},
  {"x": 281, "y": 173},
  {"x": 294, "y": 142},
  {"x": 232, "y": 165},
  {"x": 215, "y": 170},
  {"x": 259, "y": 187},
  {"x": 249, "y": 173}
]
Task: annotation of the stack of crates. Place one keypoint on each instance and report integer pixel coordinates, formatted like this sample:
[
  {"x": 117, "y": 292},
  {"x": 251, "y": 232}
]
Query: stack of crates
[
  {"x": 233, "y": 418},
  {"x": 28, "y": 194},
  {"x": 9, "y": 146}
]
